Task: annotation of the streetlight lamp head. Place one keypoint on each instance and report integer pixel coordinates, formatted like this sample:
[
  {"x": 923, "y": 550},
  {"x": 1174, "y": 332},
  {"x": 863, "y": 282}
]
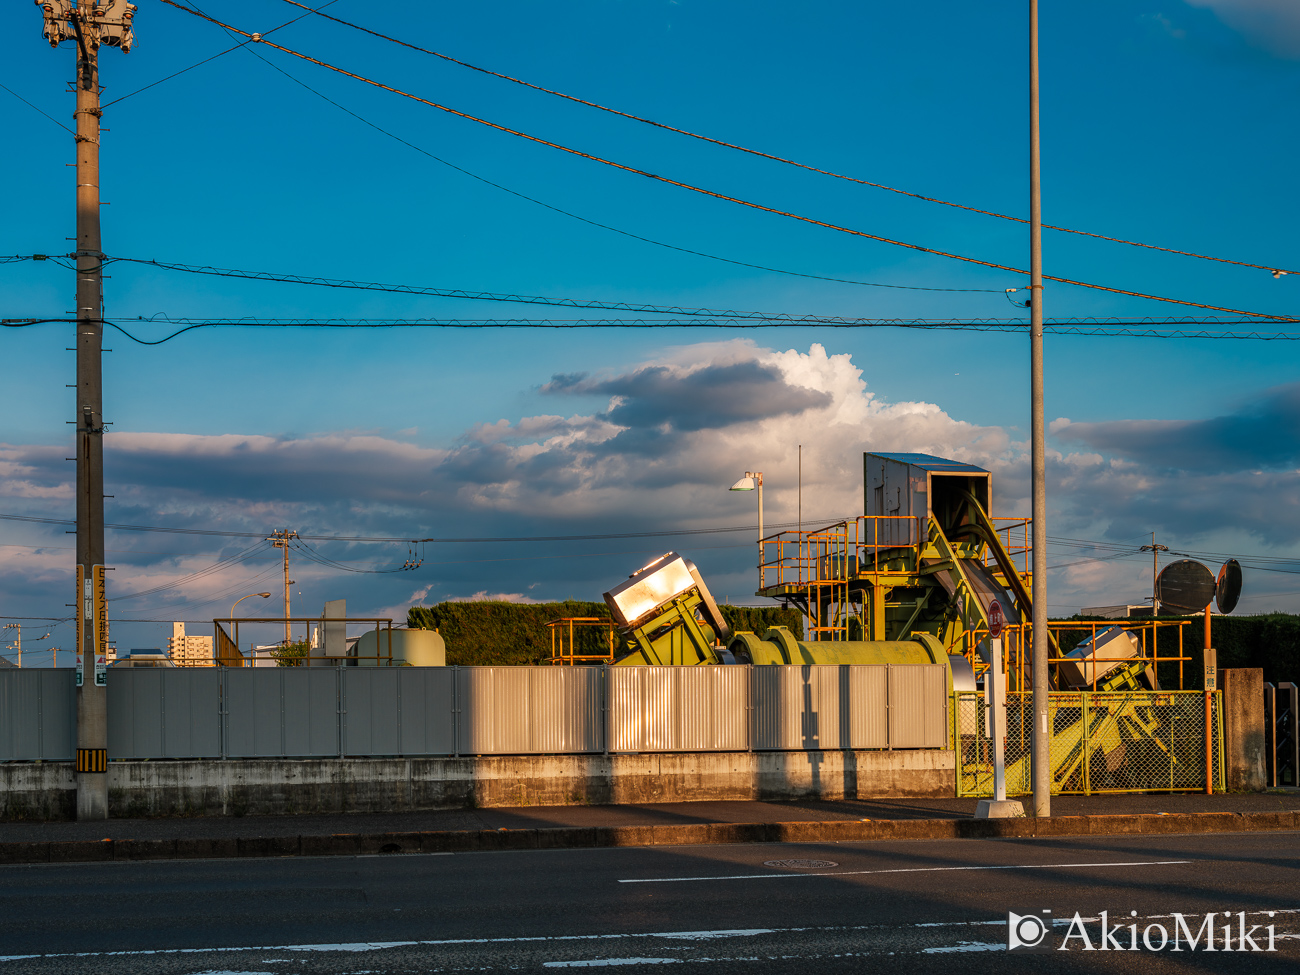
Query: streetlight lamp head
[
  {"x": 746, "y": 483},
  {"x": 265, "y": 595}
]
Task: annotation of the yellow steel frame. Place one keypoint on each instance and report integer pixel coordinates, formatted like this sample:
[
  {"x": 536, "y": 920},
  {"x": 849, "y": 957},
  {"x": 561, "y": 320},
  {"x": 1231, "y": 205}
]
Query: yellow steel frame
[{"x": 564, "y": 632}]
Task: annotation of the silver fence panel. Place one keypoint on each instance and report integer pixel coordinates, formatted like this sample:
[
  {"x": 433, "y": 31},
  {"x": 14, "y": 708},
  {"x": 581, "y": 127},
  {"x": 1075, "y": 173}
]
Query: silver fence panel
[
  {"x": 428, "y": 721},
  {"x": 529, "y": 710},
  {"x": 281, "y": 712},
  {"x": 918, "y": 706},
  {"x": 310, "y": 710},
  {"x": 371, "y": 708},
  {"x": 38, "y": 714},
  {"x": 566, "y": 707},
  {"x": 802, "y": 707},
  {"x": 869, "y": 721},
  {"x": 164, "y": 713},
  {"x": 688, "y": 709},
  {"x": 494, "y": 712}
]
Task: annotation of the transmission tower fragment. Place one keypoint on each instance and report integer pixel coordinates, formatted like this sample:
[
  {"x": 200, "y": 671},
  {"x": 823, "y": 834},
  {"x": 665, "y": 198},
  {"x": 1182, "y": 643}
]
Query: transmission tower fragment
[{"x": 88, "y": 25}]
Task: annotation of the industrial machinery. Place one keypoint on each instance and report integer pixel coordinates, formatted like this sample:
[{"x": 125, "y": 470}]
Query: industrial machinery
[
  {"x": 668, "y": 616},
  {"x": 925, "y": 557}
]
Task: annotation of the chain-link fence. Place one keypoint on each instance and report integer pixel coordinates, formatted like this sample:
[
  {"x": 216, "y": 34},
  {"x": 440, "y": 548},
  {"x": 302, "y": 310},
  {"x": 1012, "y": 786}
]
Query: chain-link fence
[{"x": 1149, "y": 741}]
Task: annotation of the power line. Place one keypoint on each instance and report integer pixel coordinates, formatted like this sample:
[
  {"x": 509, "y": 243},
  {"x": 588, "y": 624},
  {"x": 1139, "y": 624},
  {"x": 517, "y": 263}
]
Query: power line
[
  {"x": 405, "y": 539},
  {"x": 1277, "y": 272},
  {"x": 713, "y": 193},
  {"x": 35, "y": 109},
  {"x": 596, "y": 223},
  {"x": 1094, "y": 328},
  {"x": 219, "y": 54}
]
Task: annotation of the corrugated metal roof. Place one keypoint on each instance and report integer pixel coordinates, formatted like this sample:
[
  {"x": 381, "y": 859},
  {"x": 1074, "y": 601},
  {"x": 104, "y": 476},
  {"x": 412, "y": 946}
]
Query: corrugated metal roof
[{"x": 929, "y": 462}]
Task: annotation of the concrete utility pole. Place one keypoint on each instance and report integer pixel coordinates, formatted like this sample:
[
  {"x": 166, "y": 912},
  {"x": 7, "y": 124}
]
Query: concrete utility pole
[
  {"x": 1040, "y": 763},
  {"x": 1155, "y": 551},
  {"x": 280, "y": 539},
  {"x": 88, "y": 25}
]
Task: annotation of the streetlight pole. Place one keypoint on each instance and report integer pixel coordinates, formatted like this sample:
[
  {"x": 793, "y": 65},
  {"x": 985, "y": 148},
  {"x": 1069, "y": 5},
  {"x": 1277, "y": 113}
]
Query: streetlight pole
[
  {"x": 1040, "y": 761},
  {"x": 753, "y": 481},
  {"x": 264, "y": 595}
]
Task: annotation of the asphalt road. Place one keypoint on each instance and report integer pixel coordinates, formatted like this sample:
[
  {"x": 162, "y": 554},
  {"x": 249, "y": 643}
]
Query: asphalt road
[{"x": 909, "y": 906}]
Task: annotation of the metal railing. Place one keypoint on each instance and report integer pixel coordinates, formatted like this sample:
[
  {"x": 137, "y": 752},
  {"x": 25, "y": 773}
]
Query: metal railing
[
  {"x": 567, "y": 631},
  {"x": 226, "y": 652},
  {"x": 1150, "y": 741}
]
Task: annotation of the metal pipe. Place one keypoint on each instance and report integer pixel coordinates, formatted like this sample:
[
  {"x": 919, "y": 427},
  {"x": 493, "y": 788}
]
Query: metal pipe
[{"x": 1040, "y": 763}]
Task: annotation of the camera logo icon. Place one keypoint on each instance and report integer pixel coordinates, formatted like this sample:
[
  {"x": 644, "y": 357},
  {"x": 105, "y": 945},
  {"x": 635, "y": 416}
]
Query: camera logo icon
[{"x": 1028, "y": 932}]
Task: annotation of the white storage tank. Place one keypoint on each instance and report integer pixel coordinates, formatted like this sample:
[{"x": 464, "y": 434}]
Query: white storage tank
[{"x": 411, "y": 648}]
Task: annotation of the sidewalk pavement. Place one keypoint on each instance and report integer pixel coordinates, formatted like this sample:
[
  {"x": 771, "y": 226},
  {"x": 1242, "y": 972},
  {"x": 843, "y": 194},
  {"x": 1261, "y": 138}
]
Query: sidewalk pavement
[{"x": 650, "y": 814}]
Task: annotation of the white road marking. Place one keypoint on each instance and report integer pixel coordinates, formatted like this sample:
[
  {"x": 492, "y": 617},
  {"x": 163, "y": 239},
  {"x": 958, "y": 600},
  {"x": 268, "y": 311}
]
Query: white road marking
[
  {"x": 603, "y": 962},
  {"x": 858, "y": 873},
  {"x": 965, "y": 946}
]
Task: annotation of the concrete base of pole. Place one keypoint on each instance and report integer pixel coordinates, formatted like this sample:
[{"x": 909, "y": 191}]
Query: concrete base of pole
[
  {"x": 92, "y": 796},
  {"x": 999, "y": 809}
]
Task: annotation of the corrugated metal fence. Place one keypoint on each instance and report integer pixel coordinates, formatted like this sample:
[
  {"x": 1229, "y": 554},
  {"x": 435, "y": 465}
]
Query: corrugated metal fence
[{"x": 290, "y": 712}]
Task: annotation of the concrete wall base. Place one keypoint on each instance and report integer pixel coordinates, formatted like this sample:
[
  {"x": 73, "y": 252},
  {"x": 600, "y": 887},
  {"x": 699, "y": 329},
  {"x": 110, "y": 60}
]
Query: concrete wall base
[{"x": 280, "y": 786}]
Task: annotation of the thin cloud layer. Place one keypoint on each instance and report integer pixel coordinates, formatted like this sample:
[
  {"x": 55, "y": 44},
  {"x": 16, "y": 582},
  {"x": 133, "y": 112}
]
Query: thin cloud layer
[
  {"x": 1264, "y": 434},
  {"x": 645, "y": 448},
  {"x": 1273, "y": 25}
]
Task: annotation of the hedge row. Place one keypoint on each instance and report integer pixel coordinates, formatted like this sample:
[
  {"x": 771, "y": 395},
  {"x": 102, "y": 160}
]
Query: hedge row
[
  {"x": 479, "y": 633},
  {"x": 487, "y": 632}
]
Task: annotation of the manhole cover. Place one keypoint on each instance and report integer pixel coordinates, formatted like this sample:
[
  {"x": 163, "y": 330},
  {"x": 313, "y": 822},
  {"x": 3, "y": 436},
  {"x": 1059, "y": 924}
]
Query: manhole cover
[{"x": 801, "y": 864}]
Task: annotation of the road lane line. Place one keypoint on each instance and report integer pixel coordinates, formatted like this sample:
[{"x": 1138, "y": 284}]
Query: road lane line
[
  {"x": 604, "y": 962},
  {"x": 859, "y": 873}
]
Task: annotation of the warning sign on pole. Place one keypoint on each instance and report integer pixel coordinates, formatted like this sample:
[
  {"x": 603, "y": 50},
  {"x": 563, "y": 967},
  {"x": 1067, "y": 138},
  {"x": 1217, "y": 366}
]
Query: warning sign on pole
[{"x": 997, "y": 619}]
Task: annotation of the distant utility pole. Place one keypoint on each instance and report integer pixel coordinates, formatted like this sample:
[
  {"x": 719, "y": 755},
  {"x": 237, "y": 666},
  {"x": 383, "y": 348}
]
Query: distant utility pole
[
  {"x": 18, "y": 641},
  {"x": 280, "y": 539},
  {"x": 89, "y": 24},
  {"x": 1155, "y": 551},
  {"x": 1040, "y": 761}
]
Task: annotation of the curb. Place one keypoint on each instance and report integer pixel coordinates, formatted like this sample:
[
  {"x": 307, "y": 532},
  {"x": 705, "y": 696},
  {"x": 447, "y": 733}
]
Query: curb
[{"x": 590, "y": 837}]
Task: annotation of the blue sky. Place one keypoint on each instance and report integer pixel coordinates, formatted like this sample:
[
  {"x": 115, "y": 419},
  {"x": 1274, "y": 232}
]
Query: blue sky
[{"x": 1167, "y": 123}]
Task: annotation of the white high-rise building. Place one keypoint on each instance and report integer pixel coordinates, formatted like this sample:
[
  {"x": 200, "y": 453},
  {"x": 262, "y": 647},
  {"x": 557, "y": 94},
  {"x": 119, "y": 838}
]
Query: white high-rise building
[{"x": 189, "y": 651}]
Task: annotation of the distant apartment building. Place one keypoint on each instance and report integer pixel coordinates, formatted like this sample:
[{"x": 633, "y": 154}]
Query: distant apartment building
[{"x": 189, "y": 651}]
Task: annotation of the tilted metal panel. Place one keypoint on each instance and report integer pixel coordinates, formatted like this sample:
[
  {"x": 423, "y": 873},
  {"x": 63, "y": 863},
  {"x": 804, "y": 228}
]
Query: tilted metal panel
[
  {"x": 372, "y": 711},
  {"x": 918, "y": 715},
  {"x": 566, "y": 708},
  {"x": 869, "y": 718},
  {"x": 495, "y": 711},
  {"x": 428, "y": 723},
  {"x": 38, "y": 714},
  {"x": 310, "y": 726}
]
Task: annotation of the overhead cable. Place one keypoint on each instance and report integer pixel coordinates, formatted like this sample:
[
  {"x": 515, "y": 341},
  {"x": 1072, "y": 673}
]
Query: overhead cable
[
  {"x": 1079, "y": 328},
  {"x": 635, "y": 307},
  {"x": 770, "y": 156},
  {"x": 219, "y": 54},
  {"x": 404, "y": 539},
  {"x": 707, "y": 192},
  {"x": 596, "y": 223}
]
